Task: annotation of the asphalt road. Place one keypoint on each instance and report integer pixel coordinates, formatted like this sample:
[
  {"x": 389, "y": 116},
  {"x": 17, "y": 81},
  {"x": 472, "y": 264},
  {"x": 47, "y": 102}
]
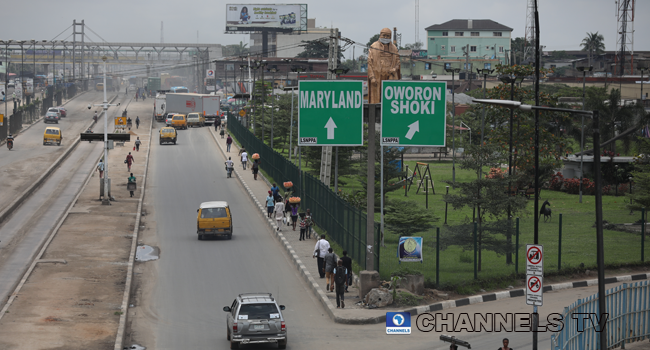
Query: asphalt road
[
  {"x": 28, "y": 227},
  {"x": 193, "y": 280}
]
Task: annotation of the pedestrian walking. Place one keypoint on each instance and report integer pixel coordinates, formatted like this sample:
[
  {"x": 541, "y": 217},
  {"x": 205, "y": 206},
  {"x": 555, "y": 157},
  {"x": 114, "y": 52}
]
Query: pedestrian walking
[
  {"x": 279, "y": 214},
  {"x": 137, "y": 144},
  {"x": 136, "y": 97},
  {"x": 216, "y": 125},
  {"x": 506, "y": 344},
  {"x": 320, "y": 249},
  {"x": 270, "y": 205},
  {"x": 222, "y": 133},
  {"x": 347, "y": 263},
  {"x": 100, "y": 168},
  {"x": 302, "y": 227},
  {"x": 256, "y": 168},
  {"x": 137, "y": 122},
  {"x": 228, "y": 143},
  {"x": 330, "y": 264},
  {"x": 294, "y": 214},
  {"x": 341, "y": 283},
  {"x": 129, "y": 160},
  {"x": 275, "y": 190},
  {"x": 131, "y": 179},
  {"x": 244, "y": 158},
  {"x": 309, "y": 222}
]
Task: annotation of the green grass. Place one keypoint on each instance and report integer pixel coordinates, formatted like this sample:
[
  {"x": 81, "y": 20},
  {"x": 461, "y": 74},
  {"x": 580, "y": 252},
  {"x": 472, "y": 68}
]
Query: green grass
[{"x": 457, "y": 266}]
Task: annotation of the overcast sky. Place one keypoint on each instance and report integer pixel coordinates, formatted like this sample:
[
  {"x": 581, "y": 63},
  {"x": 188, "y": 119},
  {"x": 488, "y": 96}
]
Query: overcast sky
[{"x": 564, "y": 23}]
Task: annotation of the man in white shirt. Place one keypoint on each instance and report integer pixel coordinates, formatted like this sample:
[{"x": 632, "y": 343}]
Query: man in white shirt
[
  {"x": 321, "y": 248},
  {"x": 244, "y": 159},
  {"x": 229, "y": 166},
  {"x": 279, "y": 213}
]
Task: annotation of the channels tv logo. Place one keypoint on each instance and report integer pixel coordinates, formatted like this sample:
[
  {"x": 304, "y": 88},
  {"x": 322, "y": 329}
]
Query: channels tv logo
[{"x": 398, "y": 323}]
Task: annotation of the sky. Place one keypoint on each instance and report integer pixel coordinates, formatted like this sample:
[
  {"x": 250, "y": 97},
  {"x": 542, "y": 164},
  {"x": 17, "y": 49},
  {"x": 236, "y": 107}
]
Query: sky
[{"x": 563, "y": 23}]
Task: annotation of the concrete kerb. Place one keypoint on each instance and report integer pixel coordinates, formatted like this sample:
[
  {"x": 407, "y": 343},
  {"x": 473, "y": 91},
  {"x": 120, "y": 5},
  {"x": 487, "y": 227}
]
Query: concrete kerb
[
  {"x": 23, "y": 196},
  {"x": 119, "y": 338},
  {"x": 329, "y": 307},
  {"x": 41, "y": 118},
  {"x": 415, "y": 310}
]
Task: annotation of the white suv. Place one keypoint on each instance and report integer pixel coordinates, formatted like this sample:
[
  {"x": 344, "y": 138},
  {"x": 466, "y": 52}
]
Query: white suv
[{"x": 255, "y": 318}]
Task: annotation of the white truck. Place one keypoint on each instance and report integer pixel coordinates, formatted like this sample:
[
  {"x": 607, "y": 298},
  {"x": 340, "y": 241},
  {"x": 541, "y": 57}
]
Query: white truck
[
  {"x": 159, "y": 107},
  {"x": 208, "y": 105}
]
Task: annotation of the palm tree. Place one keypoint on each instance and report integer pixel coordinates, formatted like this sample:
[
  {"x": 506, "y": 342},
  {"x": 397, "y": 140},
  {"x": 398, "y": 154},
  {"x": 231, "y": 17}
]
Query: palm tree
[{"x": 593, "y": 43}]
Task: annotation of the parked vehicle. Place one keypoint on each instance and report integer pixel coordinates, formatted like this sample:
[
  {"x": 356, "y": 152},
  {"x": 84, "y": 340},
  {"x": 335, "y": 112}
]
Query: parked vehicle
[
  {"x": 52, "y": 135},
  {"x": 168, "y": 134},
  {"x": 214, "y": 219},
  {"x": 255, "y": 318}
]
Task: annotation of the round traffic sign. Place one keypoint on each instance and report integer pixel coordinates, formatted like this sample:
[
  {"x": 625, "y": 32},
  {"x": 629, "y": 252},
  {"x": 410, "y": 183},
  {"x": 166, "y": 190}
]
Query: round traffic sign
[
  {"x": 242, "y": 113},
  {"x": 534, "y": 255},
  {"x": 534, "y": 284},
  {"x": 210, "y": 73}
]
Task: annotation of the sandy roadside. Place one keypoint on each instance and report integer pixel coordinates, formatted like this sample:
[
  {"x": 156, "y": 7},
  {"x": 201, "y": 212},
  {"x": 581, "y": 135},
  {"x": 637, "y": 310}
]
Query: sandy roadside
[{"x": 76, "y": 304}]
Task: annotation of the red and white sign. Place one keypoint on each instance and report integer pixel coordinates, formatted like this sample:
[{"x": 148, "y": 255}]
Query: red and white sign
[
  {"x": 534, "y": 288},
  {"x": 209, "y": 73},
  {"x": 534, "y": 260},
  {"x": 191, "y": 104}
]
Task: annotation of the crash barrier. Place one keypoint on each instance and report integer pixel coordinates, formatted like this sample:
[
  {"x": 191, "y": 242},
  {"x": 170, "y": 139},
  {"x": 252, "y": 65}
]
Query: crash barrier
[
  {"x": 343, "y": 223},
  {"x": 628, "y": 309}
]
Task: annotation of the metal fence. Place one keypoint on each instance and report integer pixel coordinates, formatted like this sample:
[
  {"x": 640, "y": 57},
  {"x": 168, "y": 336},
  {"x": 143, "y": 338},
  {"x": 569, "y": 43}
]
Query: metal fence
[
  {"x": 345, "y": 224},
  {"x": 628, "y": 309}
]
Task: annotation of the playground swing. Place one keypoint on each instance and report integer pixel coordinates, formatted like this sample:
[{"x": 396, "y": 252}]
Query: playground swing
[{"x": 423, "y": 172}]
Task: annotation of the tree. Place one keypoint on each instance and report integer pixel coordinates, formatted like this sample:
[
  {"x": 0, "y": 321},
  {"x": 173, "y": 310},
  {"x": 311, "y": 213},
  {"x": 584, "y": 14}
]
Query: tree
[
  {"x": 593, "y": 43},
  {"x": 641, "y": 196},
  {"x": 518, "y": 45},
  {"x": 615, "y": 118},
  {"x": 407, "y": 219},
  {"x": 235, "y": 49},
  {"x": 490, "y": 196},
  {"x": 318, "y": 48},
  {"x": 414, "y": 46},
  {"x": 370, "y": 42}
]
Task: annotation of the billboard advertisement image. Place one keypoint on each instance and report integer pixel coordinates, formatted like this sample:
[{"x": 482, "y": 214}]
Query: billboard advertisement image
[{"x": 239, "y": 17}]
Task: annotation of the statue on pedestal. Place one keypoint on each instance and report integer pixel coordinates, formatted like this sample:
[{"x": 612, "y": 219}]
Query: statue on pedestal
[{"x": 383, "y": 64}]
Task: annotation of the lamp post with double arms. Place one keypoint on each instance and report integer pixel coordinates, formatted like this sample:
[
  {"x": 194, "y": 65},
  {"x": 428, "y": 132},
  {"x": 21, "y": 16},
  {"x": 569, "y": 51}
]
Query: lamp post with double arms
[
  {"x": 34, "y": 77},
  {"x": 642, "y": 69},
  {"x": 22, "y": 70},
  {"x": 453, "y": 71},
  {"x": 584, "y": 71},
  {"x": 6, "y": 98}
]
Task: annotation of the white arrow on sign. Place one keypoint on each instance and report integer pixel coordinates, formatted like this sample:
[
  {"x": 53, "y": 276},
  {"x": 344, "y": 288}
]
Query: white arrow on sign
[
  {"x": 330, "y": 126},
  {"x": 413, "y": 128}
]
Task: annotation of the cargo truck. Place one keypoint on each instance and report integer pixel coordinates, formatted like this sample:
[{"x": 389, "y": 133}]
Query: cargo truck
[
  {"x": 208, "y": 105},
  {"x": 159, "y": 107},
  {"x": 153, "y": 84}
]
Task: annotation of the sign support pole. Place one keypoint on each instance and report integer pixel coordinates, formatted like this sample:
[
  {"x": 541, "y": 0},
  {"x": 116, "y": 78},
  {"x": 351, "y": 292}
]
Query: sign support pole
[{"x": 370, "y": 222}]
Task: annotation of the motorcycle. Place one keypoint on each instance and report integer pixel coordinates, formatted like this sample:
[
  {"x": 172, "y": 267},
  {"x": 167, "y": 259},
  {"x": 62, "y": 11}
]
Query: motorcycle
[{"x": 10, "y": 144}]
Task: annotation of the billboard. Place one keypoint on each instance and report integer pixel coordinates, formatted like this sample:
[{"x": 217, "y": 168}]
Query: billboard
[{"x": 254, "y": 17}]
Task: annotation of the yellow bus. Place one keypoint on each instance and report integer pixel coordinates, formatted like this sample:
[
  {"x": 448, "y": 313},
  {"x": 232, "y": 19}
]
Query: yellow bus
[{"x": 99, "y": 87}]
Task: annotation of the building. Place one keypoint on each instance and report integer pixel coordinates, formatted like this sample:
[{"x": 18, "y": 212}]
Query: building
[
  {"x": 469, "y": 39},
  {"x": 287, "y": 44}
]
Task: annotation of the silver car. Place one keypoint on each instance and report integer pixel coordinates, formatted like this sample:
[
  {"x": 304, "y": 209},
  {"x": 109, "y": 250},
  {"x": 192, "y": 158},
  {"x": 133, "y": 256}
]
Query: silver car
[
  {"x": 168, "y": 119},
  {"x": 255, "y": 318},
  {"x": 54, "y": 110}
]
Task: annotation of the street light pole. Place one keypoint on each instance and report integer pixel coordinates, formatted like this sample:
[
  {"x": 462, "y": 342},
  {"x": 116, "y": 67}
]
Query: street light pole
[
  {"x": 485, "y": 73},
  {"x": 453, "y": 71},
  {"x": 642, "y": 69},
  {"x": 22, "y": 70},
  {"x": 105, "y": 105},
  {"x": 298, "y": 70},
  {"x": 273, "y": 70},
  {"x": 584, "y": 71},
  {"x": 6, "y": 98}
]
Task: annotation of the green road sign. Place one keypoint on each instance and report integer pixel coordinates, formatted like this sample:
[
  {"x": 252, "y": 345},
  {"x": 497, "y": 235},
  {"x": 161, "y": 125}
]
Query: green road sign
[
  {"x": 413, "y": 113},
  {"x": 330, "y": 113}
]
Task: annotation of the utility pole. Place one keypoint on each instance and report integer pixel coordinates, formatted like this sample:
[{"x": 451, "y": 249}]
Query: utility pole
[{"x": 326, "y": 155}]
